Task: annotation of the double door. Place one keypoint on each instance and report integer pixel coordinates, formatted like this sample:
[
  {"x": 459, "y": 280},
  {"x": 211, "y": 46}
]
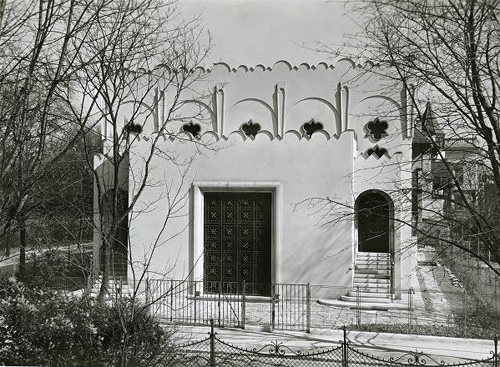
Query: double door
[{"x": 237, "y": 242}]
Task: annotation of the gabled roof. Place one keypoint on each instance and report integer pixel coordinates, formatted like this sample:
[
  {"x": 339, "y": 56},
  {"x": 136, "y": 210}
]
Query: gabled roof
[
  {"x": 428, "y": 124},
  {"x": 426, "y": 130}
]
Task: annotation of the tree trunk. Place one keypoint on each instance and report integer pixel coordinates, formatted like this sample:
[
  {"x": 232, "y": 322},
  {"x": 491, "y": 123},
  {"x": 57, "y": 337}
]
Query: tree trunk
[{"x": 105, "y": 273}]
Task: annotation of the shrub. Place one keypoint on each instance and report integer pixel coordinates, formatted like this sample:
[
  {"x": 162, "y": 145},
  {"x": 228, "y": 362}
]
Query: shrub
[
  {"x": 46, "y": 327},
  {"x": 58, "y": 269}
]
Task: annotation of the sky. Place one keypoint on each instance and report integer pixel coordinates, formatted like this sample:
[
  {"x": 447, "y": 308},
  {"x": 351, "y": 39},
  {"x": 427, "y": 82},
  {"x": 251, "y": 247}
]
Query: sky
[{"x": 252, "y": 32}]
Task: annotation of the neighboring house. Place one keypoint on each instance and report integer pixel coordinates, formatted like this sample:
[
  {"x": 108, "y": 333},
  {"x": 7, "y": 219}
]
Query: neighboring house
[
  {"x": 251, "y": 156},
  {"x": 437, "y": 177}
]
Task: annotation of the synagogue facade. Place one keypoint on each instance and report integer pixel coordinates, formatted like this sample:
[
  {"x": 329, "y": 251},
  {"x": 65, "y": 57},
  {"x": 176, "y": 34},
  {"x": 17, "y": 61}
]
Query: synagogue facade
[{"x": 282, "y": 174}]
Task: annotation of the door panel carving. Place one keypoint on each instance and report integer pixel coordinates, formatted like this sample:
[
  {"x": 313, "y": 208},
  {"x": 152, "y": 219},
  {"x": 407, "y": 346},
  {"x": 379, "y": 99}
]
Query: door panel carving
[{"x": 237, "y": 241}]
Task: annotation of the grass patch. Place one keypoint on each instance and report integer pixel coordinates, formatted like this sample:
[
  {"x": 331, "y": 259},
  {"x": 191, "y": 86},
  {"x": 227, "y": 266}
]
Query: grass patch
[{"x": 471, "y": 331}]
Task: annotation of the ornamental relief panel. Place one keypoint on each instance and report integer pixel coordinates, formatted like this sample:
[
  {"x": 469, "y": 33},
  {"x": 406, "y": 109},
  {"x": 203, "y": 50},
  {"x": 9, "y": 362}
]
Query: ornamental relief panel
[
  {"x": 306, "y": 118},
  {"x": 249, "y": 117}
]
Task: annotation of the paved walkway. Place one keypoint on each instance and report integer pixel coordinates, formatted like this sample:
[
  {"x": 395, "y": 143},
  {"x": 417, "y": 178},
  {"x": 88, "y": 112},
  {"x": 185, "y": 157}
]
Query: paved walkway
[
  {"x": 431, "y": 308},
  {"x": 449, "y": 350}
]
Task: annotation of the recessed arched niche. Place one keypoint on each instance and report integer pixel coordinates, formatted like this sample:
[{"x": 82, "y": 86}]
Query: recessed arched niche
[
  {"x": 250, "y": 109},
  {"x": 312, "y": 111},
  {"x": 374, "y": 212},
  {"x": 189, "y": 115}
]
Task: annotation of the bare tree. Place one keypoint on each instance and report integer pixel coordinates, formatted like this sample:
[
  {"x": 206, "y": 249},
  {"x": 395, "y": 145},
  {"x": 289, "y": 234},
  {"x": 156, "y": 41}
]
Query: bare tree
[
  {"x": 36, "y": 42},
  {"x": 74, "y": 66},
  {"x": 142, "y": 56},
  {"x": 71, "y": 66},
  {"x": 445, "y": 53}
]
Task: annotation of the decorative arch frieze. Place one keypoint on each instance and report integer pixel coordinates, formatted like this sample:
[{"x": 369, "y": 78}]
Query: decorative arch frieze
[
  {"x": 330, "y": 115},
  {"x": 279, "y": 105},
  {"x": 273, "y": 129}
]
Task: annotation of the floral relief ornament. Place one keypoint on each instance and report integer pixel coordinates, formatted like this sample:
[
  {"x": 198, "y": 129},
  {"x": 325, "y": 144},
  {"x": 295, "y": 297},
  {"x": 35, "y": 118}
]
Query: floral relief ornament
[
  {"x": 193, "y": 129},
  {"x": 311, "y": 127},
  {"x": 377, "y": 129},
  {"x": 250, "y": 128},
  {"x": 378, "y": 151}
]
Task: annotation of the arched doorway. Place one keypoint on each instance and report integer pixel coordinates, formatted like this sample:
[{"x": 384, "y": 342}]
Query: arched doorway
[{"x": 374, "y": 210}]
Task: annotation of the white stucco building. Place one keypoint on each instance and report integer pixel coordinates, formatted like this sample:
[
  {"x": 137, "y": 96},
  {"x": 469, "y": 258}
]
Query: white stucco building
[{"x": 280, "y": 174}]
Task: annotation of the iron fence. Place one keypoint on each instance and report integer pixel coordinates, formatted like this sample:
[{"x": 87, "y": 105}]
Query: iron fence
[
  {"x": 287, "y": 306},
  {"x": 448, "y": 310},
  {"x": 213, "y": 351}
]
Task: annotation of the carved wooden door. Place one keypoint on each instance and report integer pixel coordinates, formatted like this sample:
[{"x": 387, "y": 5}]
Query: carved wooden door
[{"x": 237, "y": 242}]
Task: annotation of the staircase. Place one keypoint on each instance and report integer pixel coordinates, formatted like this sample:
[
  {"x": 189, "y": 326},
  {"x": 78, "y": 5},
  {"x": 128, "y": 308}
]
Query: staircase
[
  {"x": 116, "y": 288},
  {"x": 372, "y": 278}
]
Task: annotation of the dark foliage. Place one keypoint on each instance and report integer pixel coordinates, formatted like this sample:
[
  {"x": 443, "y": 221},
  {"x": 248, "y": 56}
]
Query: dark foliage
[{"x": 50, "y": 328}]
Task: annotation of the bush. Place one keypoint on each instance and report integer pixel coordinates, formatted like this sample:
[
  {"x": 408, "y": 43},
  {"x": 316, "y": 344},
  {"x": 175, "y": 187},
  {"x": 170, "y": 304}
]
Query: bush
[
  {"x": 49, "y": 328},
  {"x": 56, "y": 268}
]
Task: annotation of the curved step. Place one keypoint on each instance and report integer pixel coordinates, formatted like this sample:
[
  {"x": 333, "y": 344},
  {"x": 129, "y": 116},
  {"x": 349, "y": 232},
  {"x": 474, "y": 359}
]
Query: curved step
[
  {"x": 371, "y": 289},
  {"x": 364, "y": 295},
  {"x": 365, "y": 299},
  {"x": 372, "y": 279}
]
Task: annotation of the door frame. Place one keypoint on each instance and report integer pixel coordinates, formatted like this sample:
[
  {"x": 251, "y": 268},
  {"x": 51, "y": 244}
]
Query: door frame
[
  {"x": 390, "y": 205},
  {"x": 196, "y": 233}
]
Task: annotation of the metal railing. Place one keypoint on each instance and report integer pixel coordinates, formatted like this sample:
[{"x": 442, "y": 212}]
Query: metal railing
[
  {"x": 213, "y": 351},
  {"x": 448, "y": 311},
  {"x": 275, "y": 305}
]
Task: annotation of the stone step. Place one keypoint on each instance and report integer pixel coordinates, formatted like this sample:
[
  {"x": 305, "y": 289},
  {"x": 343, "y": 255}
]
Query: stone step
[
  {"x": 372, "y": 285},
  {"x": 372, "y": 262},
  {"x": 394, "y": 305},
  {"x": 373, "y": 255},
  {"x": 364, "y": 295},
  {"x": 113, "y": 287},
  {"x": 383, "y": 272},
  {"x": 374, "y": 267},
  {"x": 371, "y": 289},
  {"x": 372, "y": 275},
  {"x": 365, "y": 299},
  {"x": 380, "y": 280}
]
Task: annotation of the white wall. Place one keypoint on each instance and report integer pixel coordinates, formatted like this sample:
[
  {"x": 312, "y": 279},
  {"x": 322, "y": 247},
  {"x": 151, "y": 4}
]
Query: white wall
[{"x": 330, "y": 164}]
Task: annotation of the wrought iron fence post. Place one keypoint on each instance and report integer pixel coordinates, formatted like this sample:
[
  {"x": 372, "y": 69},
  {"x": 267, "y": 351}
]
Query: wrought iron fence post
[
  {"x": 344, "y": 348},
  {"x": 410, "y": 309},
  {"x": 212, "y": 344},
  {"x": 358, "y": 306},
  {"x": 496, "y": 354},
  {"x": 194, "y": 305},
  {"x": 171, "y": 299},
  {"x": 308, "y": 308},
  {"x": 392, "y": 276},
  {"x": 465, "y": 313},
  {"x": 218, "y": 302},
  {"x": 243, "y": 304},
  {"x": 273, "y": 307}
]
